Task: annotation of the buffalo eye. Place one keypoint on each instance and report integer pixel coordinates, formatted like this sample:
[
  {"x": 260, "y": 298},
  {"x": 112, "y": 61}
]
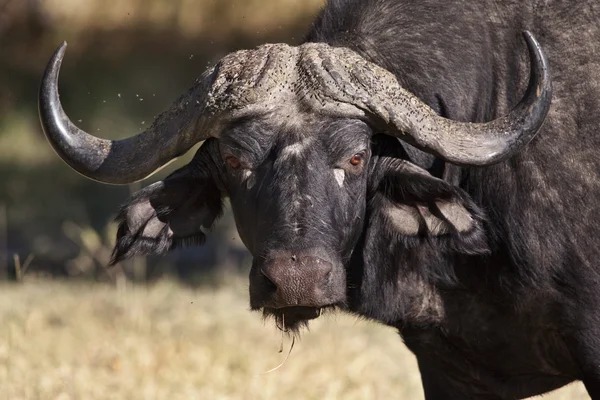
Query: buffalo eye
[
  {"x": 233, "y": 162},
  {"x": 357, "y": 159}
]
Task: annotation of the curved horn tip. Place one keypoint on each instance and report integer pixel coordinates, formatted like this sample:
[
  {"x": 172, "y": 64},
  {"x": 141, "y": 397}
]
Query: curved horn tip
[
  {"x": 59, "y": 53},
  {"x": 529, "y": 37},
  {"x": 53, "y": 67},
  {"x": 532, "y": 42},
  {"x": 535, "y": 51},
  {"x": 539, "y": 68}
]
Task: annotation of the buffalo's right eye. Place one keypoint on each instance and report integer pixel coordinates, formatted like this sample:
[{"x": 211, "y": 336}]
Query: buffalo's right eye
[{"x": 233, "y": 162}]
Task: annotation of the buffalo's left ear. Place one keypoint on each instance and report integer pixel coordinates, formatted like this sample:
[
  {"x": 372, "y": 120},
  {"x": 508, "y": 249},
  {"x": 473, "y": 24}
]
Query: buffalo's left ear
[
  {"x": 168, "y": 214},
  {"x": 416, "y": 205}
]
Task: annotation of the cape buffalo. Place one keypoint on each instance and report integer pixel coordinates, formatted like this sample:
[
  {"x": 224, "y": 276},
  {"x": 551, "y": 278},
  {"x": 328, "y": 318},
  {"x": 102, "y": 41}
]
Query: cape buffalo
[{"x": 395, "y": 165}]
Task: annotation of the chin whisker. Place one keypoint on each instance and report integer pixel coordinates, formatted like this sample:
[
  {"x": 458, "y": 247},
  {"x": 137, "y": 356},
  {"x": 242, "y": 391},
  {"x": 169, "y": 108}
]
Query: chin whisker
[{"x": 292, "y": 320}]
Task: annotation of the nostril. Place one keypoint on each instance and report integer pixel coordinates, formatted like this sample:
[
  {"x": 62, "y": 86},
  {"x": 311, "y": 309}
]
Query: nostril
[
  {"x": 294, "y": 258},
  {"x": 326, "y": 270},
  {"x": 268, "y": 279}
]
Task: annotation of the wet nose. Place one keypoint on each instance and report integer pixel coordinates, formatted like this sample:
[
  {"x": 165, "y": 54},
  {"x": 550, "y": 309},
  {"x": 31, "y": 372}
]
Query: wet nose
[{"x": 298, "y": 280}]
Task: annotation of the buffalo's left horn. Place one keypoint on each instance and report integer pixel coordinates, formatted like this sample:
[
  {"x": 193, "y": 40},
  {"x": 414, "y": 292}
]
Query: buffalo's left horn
[
  {"x": 347, "y": 85},
  {"x": 119, "y": 161}
]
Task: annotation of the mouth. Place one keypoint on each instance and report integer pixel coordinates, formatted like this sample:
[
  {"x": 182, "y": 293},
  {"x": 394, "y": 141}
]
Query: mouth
[{"x": 292, "y": 319}]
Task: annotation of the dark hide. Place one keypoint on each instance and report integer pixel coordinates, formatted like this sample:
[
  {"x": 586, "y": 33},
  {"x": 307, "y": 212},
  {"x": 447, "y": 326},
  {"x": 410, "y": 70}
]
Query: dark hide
[{"x": 489, "y": 274}]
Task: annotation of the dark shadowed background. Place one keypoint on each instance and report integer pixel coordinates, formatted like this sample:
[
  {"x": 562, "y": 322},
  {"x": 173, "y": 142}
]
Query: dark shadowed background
[{"x": 126, "y": 62}]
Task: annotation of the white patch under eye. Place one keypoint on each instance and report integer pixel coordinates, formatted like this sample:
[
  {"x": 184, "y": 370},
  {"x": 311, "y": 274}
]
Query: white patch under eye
[
  {"x": 339, "y": 175},
  {"x": 248, "y": 176}
]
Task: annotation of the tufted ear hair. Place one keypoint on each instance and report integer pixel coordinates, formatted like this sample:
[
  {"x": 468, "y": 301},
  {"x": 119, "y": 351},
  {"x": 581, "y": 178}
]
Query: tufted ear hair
[
  {"x": 415, "y": 205},
  {"x": 168, "y": 214}
]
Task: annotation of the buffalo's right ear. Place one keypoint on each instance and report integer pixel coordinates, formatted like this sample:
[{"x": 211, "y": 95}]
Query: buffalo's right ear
[{"x": 168, "y": 214}]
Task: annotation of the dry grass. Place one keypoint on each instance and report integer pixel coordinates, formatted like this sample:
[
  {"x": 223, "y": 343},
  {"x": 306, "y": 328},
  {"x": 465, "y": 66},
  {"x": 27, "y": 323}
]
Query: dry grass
[{"x": 65, "y": 341}]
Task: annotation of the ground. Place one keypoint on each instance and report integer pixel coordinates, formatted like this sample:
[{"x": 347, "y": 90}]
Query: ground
[{"x": 81, "y": 341}]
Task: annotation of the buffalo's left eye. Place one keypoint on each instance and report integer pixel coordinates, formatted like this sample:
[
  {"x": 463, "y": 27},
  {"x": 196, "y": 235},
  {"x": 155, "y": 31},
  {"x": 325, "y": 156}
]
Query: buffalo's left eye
[
  {"x": 357, "y": 159},
  {"x": 233, "y": 162}
]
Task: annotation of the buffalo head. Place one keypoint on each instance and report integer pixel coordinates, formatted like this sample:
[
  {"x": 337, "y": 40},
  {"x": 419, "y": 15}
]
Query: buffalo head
[{"x": 299, "y": 140}]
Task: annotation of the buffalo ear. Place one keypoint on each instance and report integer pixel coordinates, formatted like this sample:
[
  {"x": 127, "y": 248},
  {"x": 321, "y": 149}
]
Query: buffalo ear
[
  {"x": 167, "y": 214},
  {"x": 416, "y": 205}
]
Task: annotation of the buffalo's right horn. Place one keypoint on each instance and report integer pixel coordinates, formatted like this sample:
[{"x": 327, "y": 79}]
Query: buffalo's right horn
[
  {"x": 244, "y": 83},
  {"x": 119, "y": 161}
]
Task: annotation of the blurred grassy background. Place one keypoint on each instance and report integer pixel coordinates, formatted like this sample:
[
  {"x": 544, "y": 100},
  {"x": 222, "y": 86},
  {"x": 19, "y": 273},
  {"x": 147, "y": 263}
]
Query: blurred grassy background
[
  {"x": 166, "y": 342},
  {"x": 189, "y": 338}
]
